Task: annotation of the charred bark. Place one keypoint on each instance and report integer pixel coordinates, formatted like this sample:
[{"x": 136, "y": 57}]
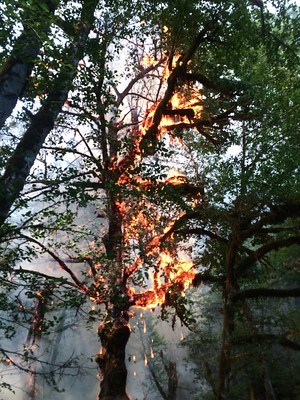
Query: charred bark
[
  {"x": 114, "y": 331},
  {"x": 148, "y": 144},
  {"x": 18, "y": 67}
]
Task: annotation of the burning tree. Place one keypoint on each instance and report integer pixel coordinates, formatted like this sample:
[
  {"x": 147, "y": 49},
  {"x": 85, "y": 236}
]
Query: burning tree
[
  {"x": 118, "y": 139},
  {"x": 134, "y": 250},
  {"x": 114, "y": 167}
]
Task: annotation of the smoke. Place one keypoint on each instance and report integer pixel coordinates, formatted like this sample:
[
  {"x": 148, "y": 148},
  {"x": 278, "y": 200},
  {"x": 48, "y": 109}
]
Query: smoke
[{"x": 72, "y": 342}]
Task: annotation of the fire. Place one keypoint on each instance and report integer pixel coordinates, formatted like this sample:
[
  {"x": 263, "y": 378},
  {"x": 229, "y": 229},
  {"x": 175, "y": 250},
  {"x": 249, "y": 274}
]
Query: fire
[
  {"x": 177, "y": 270},
  {"x": 170, "y": 64},
  {"x": 147, "y": 60},
  {"x": 176, "y": 178},
  {"x": 184, "y": 107},
  {"x": 144, "y": 229},
  {"x": 141, "y": 224},
  {"x": 151, "y": 353}
]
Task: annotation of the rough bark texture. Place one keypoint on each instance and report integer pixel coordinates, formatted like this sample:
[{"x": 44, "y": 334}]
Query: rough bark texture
[
  {"x": 114, "y": 331},
  {"x": 20, "y": 163},
  {"x": 18, "y": 67},
  {"x": 114, "y": 334},
  {"x": 228, "y": 317}
]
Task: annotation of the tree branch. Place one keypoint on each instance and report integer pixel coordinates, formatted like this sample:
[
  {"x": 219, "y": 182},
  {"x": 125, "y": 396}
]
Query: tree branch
[
  {"x": 280, "y": 339},
  {"x": 60, "y": 262},
  {"x": 263, "y": 250},
  {"x": 266, "y": 292}
]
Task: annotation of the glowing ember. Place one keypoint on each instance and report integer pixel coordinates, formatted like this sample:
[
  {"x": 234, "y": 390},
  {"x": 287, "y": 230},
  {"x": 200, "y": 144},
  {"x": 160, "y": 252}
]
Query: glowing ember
[
  {"x": 151, "y": 353},
  {"x": 147, "y": 60}
]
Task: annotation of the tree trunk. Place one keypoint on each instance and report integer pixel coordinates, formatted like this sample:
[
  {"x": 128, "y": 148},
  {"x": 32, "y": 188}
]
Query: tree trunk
[
  {"x": 114, "y": 334},
  {"x": 171, "y": 370},
  {"x": 17, "y": 68},
  {"x": 228, "y": 318},
  {"x": 224, "y": 363},
  {"x": 23, "y": 157},
  {"x": 268, "y": 387},
  {"x": 114, "y": 331}
]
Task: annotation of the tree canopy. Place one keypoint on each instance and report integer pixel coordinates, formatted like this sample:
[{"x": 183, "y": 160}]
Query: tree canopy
[{"x": 147, "y": 148}]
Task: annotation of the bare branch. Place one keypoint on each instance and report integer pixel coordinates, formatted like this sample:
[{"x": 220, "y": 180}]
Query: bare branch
[{"x": 60, "y": 262}]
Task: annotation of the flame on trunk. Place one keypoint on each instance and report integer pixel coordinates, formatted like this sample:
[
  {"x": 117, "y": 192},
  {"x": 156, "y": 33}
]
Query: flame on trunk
[
  {"x": 149, "y": 256},
  {"x": 151, "y": 353}
]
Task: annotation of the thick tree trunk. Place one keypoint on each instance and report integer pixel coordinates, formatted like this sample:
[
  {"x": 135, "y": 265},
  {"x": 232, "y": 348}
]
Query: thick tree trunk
[
  {"x": 114, "y": 334},
  {"x": 114, "y": 331},
  {"x": 228, "y": 319},
  {"x": 18, "y": 67},
  {"x": 20, "y": 163},
  {"x": 224, "y": 363}
]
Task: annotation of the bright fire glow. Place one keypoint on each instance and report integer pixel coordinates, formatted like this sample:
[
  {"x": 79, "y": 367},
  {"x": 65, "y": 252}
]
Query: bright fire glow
[
  {"x": 148, "y": 241},
  {"x": 151, "y": 353}
]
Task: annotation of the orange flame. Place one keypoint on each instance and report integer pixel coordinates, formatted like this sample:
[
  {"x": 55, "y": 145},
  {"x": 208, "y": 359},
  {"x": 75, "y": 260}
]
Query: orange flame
[
  {"x": 151, "y": 353},
  {"x": 143, "y": 226}
]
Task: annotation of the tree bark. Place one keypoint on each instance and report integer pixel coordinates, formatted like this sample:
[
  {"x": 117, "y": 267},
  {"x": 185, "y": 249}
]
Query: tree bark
[
  {"x": 22, "y": 159},
  {"x": 171, "y": 370},
  {"x": 18, "y": 67},
  {"x": 114, "y": 331},
  {"x": 228, "y": 316},
  {"x": 114, "y": 334}
]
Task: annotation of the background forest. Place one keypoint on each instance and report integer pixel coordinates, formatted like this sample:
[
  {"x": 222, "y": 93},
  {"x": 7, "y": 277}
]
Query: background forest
[{"x": 149, "y": 184}]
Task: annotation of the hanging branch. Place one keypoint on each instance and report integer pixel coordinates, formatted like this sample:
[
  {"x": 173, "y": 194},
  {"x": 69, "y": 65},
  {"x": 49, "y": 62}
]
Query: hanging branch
[{"x": 60, "y": 262}]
